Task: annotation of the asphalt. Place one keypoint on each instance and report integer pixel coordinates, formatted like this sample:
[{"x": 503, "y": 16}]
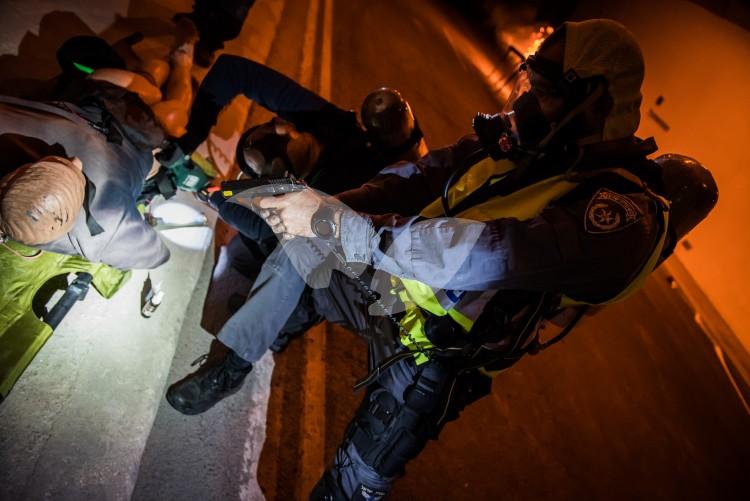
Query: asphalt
[
  {"x": 82, "y": 419},
  {"x": 634, "y": 404}
]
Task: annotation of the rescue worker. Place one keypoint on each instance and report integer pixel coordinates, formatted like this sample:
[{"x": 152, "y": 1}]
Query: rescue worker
[
  {"x": 71, "y": 176},
  {"x": 310, "y": 138},
  {"x": 391, "y": 131},
  {"x": 552, "y": 204},
  {"x": 569, "y": 212},
  {"x": 317, "y": 142}
]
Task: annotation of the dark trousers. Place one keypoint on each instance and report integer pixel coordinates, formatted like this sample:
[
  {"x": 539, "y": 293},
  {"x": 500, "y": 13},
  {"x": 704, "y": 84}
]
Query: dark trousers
[
  {"x": 403, "y": 408},
  {"x": 406, "y": 406}
]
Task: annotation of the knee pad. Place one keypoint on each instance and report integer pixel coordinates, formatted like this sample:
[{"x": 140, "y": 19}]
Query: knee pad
[
  {"x": 386, "y": 434},
  {"x": 375, "y": 417}
]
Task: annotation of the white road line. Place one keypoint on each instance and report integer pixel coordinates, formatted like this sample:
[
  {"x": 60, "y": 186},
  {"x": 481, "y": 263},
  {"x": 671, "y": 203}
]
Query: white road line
[
  {"x": 720, "y": 356},
  {"x": 718, "y": 350},
  {"x": 312, "y": 422},
  {"x": 308, "y": 44},
  {"x": 325, "y": 52}
]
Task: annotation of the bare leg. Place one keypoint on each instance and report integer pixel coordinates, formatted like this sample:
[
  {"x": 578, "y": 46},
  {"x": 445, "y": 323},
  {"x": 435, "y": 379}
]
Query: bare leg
[
  {"x": 134, "y": 82},
  {"x": 173, "y": 111},
  {"x": 157, "y": 71}
]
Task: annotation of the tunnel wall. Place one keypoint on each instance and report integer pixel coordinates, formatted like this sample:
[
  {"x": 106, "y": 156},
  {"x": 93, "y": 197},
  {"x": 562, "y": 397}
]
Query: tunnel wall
[{"x": 700, "y": 64}]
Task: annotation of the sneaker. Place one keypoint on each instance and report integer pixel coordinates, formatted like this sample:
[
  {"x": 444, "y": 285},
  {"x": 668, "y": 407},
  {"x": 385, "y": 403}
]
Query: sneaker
[{"x": 203, "y": 389}]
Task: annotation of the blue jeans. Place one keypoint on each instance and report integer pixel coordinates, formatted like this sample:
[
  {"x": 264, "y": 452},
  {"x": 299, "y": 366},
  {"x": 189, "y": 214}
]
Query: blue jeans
[{"x": 271, "y": 302}]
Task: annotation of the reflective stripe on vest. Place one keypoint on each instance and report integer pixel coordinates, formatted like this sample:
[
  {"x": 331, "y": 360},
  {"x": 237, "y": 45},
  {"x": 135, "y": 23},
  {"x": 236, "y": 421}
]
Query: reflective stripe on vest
[{"x": 523, "y": 204}]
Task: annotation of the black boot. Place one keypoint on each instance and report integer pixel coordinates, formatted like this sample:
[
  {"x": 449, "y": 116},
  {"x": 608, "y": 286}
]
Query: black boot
[{"x": 201, "y": 390}]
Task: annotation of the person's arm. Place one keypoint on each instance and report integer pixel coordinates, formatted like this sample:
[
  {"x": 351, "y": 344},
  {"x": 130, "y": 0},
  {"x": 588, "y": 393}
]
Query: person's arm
[
  {"x": 135, "y": 245},
  {"x": 552, "y": 252},
  {"x": 407, "y": 187},
  {"x": 232, "y": 76},
  {"x": 242, "y": 219}
]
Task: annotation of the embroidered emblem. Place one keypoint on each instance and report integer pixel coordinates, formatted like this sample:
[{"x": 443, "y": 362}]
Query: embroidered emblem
[
  {"x": 454, "y": 295},
  {"x": 366, "y": 493},
  {"x": 609, "y": 211}
]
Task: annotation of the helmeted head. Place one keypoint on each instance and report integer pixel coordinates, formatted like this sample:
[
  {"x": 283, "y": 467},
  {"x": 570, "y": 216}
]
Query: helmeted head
[
  {"x": 583, "y": 84},
  {"x": 80, "y": 55},
  {"x": 40, "y": 201},
  {"x": 389, "y": 120},
  {"x": 276, "y": 148},
  {"x": 691, "y": 190}
]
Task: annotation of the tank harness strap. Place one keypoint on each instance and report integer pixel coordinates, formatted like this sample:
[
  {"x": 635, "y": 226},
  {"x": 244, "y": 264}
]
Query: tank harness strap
[
  {"x": 91, "y": 222},
  {"x": 536, "y": 346}
]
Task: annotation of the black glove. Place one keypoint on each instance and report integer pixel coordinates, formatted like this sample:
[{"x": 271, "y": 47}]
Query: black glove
[
  {"x": 216, "y": 200},
  {"x": 171, "y": 155}
]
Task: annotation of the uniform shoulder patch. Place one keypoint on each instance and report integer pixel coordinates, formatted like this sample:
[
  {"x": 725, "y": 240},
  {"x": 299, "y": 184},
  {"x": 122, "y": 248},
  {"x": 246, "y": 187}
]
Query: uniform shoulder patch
[{"x": 609, "y": 211}]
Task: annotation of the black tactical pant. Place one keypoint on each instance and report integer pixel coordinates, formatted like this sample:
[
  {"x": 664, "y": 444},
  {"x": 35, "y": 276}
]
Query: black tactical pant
[{"x": 404, "y": 407}]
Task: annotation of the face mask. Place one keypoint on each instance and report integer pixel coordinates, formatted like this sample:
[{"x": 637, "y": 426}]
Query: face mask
[
  {"x": 525, "y": 130},
  {"x": 530, "y": 123},
  {"x": 511, "y": 134}
]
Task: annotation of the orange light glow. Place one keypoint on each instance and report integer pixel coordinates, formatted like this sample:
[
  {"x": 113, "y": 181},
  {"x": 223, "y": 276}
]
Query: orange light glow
[{"x": 526, "y": 39}]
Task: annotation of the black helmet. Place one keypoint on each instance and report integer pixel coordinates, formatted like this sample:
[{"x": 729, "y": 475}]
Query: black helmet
[
  {"x": 690, "y": 188},
  {"x": 82, "y": 55},
  {"x": 389, "y": 120},
  {"x": 262, "y": 151}
]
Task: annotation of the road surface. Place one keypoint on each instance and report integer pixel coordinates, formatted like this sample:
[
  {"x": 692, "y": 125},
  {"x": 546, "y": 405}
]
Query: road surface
[{"x": 633, "y": 405}]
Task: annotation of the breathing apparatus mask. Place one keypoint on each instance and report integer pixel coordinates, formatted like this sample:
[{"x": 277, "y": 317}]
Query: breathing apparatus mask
[
  {"x": 545, "y": 101},
  {"x": 523, "y": 129}
]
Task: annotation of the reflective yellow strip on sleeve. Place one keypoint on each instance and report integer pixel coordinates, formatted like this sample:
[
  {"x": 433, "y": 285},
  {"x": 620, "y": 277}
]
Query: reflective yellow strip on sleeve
[
  {"x": 413, "y": 324},
  {"x": 465, "y": 322},
  {"x": 423, "y": 295}
]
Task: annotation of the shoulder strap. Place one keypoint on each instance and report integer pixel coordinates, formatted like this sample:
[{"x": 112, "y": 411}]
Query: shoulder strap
[{"x": 91, "y": 222}]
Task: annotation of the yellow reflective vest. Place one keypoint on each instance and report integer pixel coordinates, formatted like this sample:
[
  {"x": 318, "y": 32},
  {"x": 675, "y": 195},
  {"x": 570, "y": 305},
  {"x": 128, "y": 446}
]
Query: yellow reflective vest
[
  {"x": 465, "y": 307},
  {"x": 23, "y": 271}
]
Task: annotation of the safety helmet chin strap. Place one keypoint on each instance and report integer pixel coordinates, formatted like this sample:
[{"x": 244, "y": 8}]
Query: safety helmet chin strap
[
  {"x": 414, "y": 138},
  {"x": 91, "y": 223}
]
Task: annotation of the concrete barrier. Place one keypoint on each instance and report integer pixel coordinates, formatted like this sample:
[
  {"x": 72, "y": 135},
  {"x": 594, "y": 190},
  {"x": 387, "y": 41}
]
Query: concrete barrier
[{"x": 78, "y": 421}]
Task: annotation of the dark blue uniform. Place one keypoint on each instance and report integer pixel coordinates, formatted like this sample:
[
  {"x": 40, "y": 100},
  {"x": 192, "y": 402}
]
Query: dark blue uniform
[{"x": 347, "y": 159}]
